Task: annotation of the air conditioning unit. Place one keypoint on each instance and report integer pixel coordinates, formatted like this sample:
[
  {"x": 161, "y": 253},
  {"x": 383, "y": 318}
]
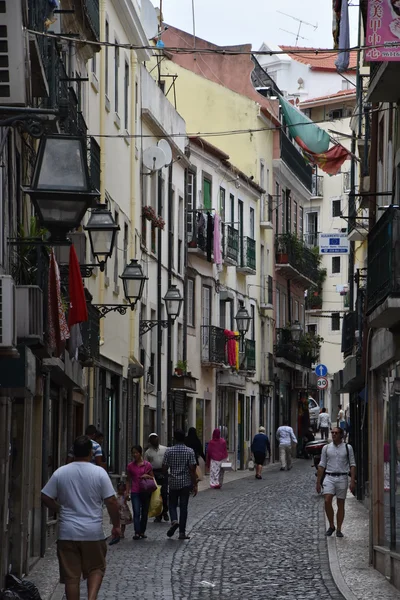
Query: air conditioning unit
[
  {"x": 29, "y": 303},
  {"x": 13, "y": 54},
  {"x": 8, "y": 328}
]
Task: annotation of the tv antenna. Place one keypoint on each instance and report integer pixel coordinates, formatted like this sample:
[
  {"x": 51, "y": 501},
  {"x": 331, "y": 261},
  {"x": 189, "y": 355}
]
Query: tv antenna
[
  {"x": 296, "y": 34},
  {"x": 301, "y": 22}
]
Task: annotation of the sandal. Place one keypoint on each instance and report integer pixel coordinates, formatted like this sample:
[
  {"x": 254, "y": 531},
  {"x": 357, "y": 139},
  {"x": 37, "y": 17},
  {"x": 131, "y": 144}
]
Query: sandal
[{"x": 136, "y": 537}]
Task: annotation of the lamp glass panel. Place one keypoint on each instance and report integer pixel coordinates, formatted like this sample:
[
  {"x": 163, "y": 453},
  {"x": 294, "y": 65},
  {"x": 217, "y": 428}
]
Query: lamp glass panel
[
  {"x": 132, "y": 288},
  {"x": 173, "y": 307},
  {"x": 62, "y": 166},
  {"x": 101, "y": 242},
  {"x": 64, "y": 213}
]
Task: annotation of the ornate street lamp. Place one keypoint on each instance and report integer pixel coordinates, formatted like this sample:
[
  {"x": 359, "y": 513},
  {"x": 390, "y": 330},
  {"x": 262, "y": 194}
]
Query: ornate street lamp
[
  {"x": 173, "y": 302},
  {"x": 296, "y": 330},
  {"x": 242, "y": 321},
  {"x": 60, "y": 189},
  {"x": 102, "y": 231},
  {"x": 133, "y": 281}
]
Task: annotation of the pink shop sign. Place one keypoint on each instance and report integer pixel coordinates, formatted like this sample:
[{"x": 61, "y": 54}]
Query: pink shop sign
[{"x": 383, "y": 31}]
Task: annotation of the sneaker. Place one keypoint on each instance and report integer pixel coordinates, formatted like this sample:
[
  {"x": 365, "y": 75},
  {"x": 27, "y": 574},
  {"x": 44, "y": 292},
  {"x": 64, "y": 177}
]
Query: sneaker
[
  {"x": 173, "y": 528},
  {"x": 339, "y": 534},
  {"x": 330, "y": 531},
  {"x": 166, "y": 516}
]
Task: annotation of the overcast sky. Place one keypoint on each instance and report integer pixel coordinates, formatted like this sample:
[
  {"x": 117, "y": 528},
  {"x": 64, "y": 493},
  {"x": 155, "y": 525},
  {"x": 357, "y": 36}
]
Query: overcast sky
[{"x": 228, "y": 22}]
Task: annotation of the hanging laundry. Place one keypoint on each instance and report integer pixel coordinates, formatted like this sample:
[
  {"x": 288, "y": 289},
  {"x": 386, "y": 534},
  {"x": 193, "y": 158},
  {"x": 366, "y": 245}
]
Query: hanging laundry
[
  {"x": 343, "y": 60},
  {"x": 231, "y": 348},
  {"x": 58, "y": 331},
  {"x": 201, "y": 231},
  {"x": 77, "y": 304},
  {"x": 210, "y": 235},
  {"x": 217, "y": 243},
  {"x": 236, "y": 333}
]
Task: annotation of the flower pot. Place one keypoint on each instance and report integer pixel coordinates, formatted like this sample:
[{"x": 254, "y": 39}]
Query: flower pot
[{"x": 282, "y": 259}]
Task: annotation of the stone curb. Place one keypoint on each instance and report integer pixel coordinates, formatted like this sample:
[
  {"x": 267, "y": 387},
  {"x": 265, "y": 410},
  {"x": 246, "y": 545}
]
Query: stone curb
[{"x": 335, "y": 566}]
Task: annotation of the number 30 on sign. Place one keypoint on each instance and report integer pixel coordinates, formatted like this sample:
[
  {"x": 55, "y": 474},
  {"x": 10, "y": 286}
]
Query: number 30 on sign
[{"x": 322, "y": 383}]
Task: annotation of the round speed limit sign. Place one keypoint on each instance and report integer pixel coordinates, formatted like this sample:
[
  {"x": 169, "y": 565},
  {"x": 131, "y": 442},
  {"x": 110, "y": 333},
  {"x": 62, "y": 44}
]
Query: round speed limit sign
[{"x": 322, "y": 383}]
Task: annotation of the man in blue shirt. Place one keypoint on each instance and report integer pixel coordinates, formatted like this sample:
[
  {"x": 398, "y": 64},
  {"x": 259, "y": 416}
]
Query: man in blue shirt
[{"x": 260, "y": 446}]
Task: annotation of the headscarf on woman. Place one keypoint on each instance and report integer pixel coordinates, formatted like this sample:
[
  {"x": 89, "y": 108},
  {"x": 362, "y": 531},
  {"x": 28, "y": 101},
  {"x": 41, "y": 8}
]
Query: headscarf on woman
[
  {"x": 216, "y": 449},
  {"x": 192, "y": 441}
]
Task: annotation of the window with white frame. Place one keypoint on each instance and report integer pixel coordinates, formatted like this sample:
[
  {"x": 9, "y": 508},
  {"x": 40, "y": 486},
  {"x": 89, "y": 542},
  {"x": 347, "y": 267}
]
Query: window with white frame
[{"x": 191, "y": 204}]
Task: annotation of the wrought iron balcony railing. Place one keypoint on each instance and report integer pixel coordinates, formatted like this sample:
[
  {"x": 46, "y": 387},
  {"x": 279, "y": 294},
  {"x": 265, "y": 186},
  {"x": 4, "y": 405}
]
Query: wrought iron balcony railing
[
  {"x": 291, "y": 252},
  {"x": 250, "y": 355},
  {"x": 295, "y": 161},
  {"x": 90, "y": 331},
  {"x": 247, "y": 254},
  {"x": 317, "y": 189},
  {"x": 383, "y": 277},
  {"x": 231, "y": 243},
  {"x": 213, "y": 342},
  {"x": 294, "y": 351}
]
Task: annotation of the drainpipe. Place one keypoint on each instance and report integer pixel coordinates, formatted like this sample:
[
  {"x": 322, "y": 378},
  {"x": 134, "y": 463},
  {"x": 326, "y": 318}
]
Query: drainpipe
[
  {"x": 45, "y": 452},
  {"x": 170, "y": 399},
  {"x": 159, "y": 309},
  {"x": 102, "y": 143}
]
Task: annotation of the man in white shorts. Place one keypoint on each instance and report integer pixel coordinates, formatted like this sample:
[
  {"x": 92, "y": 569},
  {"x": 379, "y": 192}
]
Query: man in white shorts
[{"x": 337, "y": 460}]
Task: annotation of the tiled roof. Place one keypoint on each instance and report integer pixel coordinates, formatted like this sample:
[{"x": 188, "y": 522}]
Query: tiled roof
[
  {"x": 319, "y": 61},
  {"x": 342, "y": 94}
]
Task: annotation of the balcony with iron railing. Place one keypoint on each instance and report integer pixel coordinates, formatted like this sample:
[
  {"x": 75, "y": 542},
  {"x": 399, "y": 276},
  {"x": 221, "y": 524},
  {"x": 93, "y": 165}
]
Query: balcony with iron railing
[
  {"x": 247, "y": 263},
  {"x": 311, "y": 239},
  {"x": 295, "y": 161},
  {"x": 317, "y": 186},
  {"x": 231, "y": 245},
  {"x": 248, "y": 356},
  {"x": 383, "y": 274},
  {"x": 266, "y": 212},
  {"x": 213, "y": 342},
  {"x": 303, "y": 352},
  {"x": 200, "y": 239},
  {"x": 295, "y": 261},
  {"x": 90, "y": 331}
]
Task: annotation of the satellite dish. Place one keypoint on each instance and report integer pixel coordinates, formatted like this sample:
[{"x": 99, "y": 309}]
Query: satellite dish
[
  {"x": 166, "y": 148},
  {"x": 149, "y": 19},
  {"x": 154, "y": 158}
]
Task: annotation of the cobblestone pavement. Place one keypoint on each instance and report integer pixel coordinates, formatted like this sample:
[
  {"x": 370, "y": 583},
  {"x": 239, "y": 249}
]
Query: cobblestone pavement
[{"x": 251, "y": 540}]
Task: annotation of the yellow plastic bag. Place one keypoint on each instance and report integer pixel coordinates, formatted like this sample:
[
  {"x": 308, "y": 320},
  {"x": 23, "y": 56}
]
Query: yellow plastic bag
[{"x": 156, "y": 503}]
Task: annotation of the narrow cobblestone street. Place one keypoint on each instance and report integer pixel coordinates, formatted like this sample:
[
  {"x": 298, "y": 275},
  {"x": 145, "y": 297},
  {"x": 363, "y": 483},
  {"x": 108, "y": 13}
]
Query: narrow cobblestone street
[{"x": 253, "y": 539}]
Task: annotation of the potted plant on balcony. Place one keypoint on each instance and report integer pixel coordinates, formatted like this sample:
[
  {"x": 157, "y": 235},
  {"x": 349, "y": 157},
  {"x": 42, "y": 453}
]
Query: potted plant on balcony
[
  {"x": 181, "y": 367},
  {"x": 150, "y": 214},
  {"x": 309, "y": 346}
]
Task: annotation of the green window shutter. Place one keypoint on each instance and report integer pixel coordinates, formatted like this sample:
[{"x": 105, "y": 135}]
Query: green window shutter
[{"x": 207, "y": 194}]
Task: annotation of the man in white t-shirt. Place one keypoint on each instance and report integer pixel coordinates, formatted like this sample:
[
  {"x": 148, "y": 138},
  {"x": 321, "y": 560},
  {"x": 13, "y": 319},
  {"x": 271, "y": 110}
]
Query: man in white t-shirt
[
  {"x": 285, "y": 436},
  {"x": 77, "y": 491}
]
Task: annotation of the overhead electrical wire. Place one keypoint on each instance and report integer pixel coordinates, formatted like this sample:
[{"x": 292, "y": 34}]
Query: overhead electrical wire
[
  {"x": 225, "y": 51},
  {"x": 219, "y": 133}
]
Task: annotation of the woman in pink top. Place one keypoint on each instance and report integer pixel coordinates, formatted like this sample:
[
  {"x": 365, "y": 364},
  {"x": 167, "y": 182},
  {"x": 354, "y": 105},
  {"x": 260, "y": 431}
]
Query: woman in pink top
[
  {"x": 137, "y": 470},
  {"x": 216, "y": 454}
]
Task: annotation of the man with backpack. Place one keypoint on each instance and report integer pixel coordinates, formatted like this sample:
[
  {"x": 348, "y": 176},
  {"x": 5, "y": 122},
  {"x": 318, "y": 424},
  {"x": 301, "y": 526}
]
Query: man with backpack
[{"x": 337, "y": 460}]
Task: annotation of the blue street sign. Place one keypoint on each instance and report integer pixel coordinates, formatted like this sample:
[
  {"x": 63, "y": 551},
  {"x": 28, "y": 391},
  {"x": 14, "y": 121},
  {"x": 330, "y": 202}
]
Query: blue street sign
[{"x": 321, "y": 370}]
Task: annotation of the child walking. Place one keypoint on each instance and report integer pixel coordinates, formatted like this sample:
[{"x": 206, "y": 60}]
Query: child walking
[{"x": 125, "y": 514}]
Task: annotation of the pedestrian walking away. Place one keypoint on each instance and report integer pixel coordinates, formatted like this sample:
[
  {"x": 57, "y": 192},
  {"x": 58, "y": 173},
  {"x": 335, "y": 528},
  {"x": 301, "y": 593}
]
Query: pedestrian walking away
[
  {"x": 138, "y": 471},
  {"x": 125, "y": 515},
  {"x": 285, "y": 436},
  {"x": 216, "y": 454},
  {"x": 337, "y": 460},
  {"x": 324, "y": 424},
  {"x": 341, "y": 420},
  {"x": 180, "y": 464},
  {"x": 97, "y": 455},
  {"x": 260, "y": 447},
  {"x": 193, "y": 441},
  {"x": 77, "y": 492},
  {"x": 155, "y": 456}
]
